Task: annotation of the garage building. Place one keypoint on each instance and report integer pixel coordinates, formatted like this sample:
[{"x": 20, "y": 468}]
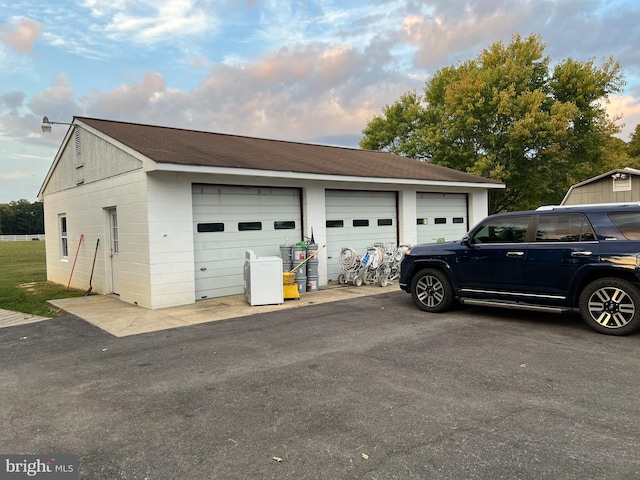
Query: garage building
[{"x": 168, "y": 213}]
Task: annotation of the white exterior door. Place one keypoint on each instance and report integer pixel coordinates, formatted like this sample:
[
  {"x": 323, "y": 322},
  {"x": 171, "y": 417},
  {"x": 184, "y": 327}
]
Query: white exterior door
[
  {"x": 358, "y": 219},
  {"x": 114, "y": 249},
  {"x": 441, "y": 216},
  {"x": 228, "y": 221}
]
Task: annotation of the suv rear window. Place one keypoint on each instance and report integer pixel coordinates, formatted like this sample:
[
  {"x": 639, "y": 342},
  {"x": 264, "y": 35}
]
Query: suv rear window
[
  {"x": 565, "y": 227},
  {"x": 628, "y": 223}
]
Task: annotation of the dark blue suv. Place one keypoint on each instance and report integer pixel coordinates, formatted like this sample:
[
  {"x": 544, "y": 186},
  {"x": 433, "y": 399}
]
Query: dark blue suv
[{"x": 558, "y": 259}]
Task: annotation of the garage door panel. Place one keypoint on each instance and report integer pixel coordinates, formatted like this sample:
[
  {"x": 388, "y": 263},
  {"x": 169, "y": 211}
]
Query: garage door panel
[
  {"x": 222, "y": 253},
  {"x": 219, "y": 254},
  {"x": 441, "y": 216},
  {"x": 221, "y": 286},
  {"x": 273, "y": 210},
  {"x": 347, "y": 206},
  {"x": 225, "y": 268}
]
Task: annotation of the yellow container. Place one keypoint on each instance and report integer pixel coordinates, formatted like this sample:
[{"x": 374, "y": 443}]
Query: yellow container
[{"x": 289, "y": 286}]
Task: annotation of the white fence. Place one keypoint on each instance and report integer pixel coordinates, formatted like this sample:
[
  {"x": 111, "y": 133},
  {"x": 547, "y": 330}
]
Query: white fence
[{"x": 21, "y": 238}]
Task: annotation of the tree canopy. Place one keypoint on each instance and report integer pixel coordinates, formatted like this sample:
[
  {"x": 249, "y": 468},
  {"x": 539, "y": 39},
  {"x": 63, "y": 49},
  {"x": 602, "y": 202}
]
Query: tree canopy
[
  {"x": 508, "y": 115},
  {"x": 21, "y": 218},
  {"x": 633, "y": 147}
]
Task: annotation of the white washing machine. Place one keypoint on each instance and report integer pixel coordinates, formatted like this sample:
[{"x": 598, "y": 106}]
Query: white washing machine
[{"x": 263, "y": 280}]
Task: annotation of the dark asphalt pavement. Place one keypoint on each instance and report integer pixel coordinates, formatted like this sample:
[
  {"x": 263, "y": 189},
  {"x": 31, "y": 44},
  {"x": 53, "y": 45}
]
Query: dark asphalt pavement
[{"x": 369, "y": 388}]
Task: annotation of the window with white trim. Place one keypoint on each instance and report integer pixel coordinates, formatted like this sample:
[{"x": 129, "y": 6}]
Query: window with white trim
[{"x": 64, "y": 239}]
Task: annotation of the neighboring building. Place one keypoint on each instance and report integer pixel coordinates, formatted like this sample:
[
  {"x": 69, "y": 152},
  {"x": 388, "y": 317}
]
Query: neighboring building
[
  {"x": 619, "y": 185},
  {"x": 171, "y": 212}
]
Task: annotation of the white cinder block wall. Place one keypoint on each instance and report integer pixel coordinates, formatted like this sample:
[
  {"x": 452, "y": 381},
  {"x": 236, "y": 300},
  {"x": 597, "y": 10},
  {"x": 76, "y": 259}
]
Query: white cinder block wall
[
  {"x": 90, "y": 176},
  {"x": 478, "y": 206},
  {"x": 130, "y": 200},
  {"x": 84, "y": 206},
  {"x": 314, "y": 217},
  {"x": 171, "y": 254},
  {"x": 408, "y": 231}
]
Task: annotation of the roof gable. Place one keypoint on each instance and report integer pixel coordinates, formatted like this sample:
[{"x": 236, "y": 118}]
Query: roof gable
[{"x": 166, "y": 145}]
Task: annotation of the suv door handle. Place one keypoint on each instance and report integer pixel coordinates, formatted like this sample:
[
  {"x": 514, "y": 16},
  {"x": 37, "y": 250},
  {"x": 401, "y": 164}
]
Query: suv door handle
[
  {"x": 515, "y": 254},
  {"x": 580, "y": 253}
]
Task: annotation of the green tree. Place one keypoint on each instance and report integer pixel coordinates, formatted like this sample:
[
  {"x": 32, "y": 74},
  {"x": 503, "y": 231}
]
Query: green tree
[
  {"x": 508, "y": 116},
  {"x": 617, "y": 155},
  {"x": 6, "y": 218},
  {"x": 633, "y": 147},
  {"x": 21, "y": 218}
]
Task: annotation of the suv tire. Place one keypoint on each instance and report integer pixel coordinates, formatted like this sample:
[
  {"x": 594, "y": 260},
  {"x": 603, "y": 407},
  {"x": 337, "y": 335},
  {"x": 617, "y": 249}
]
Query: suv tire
[
  {"x": 611, "y": 306},
  {"x": 431, "y": 291}
]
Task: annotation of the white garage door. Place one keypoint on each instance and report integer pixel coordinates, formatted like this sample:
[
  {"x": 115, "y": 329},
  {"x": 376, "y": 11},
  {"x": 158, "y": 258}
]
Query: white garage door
[
  {"x": 358, "y": 219},
  {"x": 441, "y": 216},
  {"x": 228, "y": 221}
]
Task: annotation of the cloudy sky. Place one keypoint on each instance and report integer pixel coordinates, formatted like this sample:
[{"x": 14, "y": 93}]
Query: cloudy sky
[{"x": 311, "y": 71}]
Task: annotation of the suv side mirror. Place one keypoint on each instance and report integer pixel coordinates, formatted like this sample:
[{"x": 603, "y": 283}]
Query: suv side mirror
[{"x": 466, "y": 240}]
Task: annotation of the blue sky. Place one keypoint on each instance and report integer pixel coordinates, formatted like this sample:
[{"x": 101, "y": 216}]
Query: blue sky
[{"x": 311, "y": 71}]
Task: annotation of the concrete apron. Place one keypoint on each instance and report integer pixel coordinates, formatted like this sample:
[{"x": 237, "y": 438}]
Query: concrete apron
[
  {"x": 9, "y": 318},
  {"x": 122, "y": 319}
]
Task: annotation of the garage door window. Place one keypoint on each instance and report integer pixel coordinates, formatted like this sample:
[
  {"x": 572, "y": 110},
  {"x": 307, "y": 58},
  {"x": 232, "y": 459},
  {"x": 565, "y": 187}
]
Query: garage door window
[
  {"x": 361, "y": 223},
  {"x": 248, "y": 226},
  {"x": 440, "y": 221},
  {"x": 286, "y": 225},
  {"x": 335, "y": 223},
  {"x": 385, "y": 222},
  {"x": 210, "y": 227}
]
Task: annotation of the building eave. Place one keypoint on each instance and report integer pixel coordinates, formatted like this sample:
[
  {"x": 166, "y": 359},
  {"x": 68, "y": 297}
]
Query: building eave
[{"x": 298, "y": 176}]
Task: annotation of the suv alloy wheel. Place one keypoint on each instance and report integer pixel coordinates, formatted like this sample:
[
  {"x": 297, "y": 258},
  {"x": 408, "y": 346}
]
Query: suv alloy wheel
[
  {"x": 431, "y": 291},
  {"x": 611, "y": 305}
]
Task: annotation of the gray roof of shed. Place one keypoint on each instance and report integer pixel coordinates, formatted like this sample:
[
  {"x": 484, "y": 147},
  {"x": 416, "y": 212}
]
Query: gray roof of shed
[{"x": 197, "y": 148}]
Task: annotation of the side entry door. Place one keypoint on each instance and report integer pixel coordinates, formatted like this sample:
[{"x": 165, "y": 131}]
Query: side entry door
[{"x": 113, "y": 249}]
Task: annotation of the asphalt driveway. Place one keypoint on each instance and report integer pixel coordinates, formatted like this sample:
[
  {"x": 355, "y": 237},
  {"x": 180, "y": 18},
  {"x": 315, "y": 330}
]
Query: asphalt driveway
[{"x": 368, "y": 388}]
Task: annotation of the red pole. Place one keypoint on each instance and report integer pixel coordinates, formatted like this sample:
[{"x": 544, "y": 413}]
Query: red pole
[{"x": 75, "y": 259}]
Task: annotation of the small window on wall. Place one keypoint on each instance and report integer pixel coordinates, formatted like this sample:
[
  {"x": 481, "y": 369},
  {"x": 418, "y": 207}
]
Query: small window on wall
[
  {"x": 423, "y": 221},
  {"x": 458, "y": 220},
  {"x": 248, "y": 226},
  {"x": 440, "y": 221},
  {"x": 335, "y": 223},
  {"x": 210, "y": 227},
  {"x": 64, "y": 239},
  {"x": 383, "y": 222},
  {"x": 284, "y": 225},
  {"x": 361, "y": 223},
  {"x": 113, "y": 219}
]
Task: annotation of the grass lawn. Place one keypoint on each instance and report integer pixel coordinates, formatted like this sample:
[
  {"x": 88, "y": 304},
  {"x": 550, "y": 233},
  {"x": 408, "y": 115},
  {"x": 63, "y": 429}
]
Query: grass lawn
[{"x": 23, "y": 279}]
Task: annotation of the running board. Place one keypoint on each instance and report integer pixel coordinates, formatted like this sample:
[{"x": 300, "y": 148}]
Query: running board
[{"x": 517, "y": 306}]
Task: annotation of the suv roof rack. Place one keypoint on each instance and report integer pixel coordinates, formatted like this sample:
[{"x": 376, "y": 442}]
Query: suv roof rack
[{"x": 583, "y": 205}]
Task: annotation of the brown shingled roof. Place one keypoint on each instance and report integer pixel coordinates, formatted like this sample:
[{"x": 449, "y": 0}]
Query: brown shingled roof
[{"x": 190, "y": 147}]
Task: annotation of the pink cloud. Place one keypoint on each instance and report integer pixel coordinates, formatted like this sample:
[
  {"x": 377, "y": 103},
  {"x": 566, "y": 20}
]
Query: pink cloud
[
  {"x": 22, "y": 36},
  {"x": 628, "y": 109}
]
